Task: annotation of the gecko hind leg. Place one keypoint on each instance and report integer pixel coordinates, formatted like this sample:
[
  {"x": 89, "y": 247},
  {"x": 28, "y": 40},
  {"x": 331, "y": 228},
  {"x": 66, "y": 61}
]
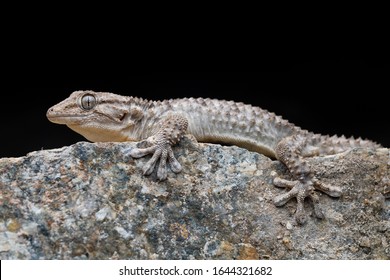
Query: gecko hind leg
[{"x": 288, "y": 151}]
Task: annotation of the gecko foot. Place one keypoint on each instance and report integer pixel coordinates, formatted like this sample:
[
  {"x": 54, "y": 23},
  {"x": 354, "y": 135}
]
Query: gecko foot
[
  {"x": 305, "y": 187},
  {"x": 161, "y": 151},
  {"x": 171, "y": 130}
]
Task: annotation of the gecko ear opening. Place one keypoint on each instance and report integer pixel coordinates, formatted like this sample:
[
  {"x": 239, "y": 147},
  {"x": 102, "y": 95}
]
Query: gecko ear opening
[
  {"x": 121, "y": 114},
  {"x": 136, "y": 114},
  {"x": 113, "y": 112}
]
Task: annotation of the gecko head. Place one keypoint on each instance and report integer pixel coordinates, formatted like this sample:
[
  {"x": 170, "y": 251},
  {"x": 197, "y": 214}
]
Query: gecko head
[{"x": 98, "y": 116}]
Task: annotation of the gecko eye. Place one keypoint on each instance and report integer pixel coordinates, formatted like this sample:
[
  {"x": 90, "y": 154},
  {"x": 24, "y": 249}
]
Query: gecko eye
[{"x": 88, "y": 101}]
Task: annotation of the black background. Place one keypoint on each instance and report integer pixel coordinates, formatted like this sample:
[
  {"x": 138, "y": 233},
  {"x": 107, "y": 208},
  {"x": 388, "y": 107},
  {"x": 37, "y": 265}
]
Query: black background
[{"x": 347, "y": 97}]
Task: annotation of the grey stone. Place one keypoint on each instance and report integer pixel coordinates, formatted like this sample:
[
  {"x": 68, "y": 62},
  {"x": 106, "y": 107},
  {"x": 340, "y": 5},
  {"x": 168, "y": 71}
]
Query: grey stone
[{"x": 91, "y": 201}]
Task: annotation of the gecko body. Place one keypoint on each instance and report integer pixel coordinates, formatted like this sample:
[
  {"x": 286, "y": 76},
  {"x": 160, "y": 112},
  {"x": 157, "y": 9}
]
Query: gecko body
[{"x": 107, "y": 117}]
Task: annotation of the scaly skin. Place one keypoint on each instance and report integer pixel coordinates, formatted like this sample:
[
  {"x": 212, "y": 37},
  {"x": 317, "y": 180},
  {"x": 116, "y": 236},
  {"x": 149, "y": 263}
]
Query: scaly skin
[{"x": 107, "y": 117}]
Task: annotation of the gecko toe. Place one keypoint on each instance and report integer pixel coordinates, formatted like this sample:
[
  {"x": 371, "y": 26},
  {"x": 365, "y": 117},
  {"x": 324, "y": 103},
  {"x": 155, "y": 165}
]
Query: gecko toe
[
  {"x": 332, "y": 191},
  {"x": 283, "y": 183},
  {"x": 150, "y": 165},
  {"x": 282, "y": 199},
  {"x": 138, "y": 152},
  {"x": 300, "y": 217},
  {"x": 162, "y": 174},
  {"x": 162, "y": 167},
  {"x": 148, "y": 168},
  {"x": 317, "y": 207},
  {"x": 173, "y": 162}
]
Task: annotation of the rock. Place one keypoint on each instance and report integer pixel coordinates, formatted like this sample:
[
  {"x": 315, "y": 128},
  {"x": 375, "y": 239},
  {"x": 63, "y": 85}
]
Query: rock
[{"x": 91, "y": 201}]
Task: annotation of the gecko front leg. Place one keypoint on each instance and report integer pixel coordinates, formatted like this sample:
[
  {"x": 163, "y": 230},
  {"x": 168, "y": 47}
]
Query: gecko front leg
[
  {"x": 171, "y": 130},
  {"x": 289, "y": 151}
]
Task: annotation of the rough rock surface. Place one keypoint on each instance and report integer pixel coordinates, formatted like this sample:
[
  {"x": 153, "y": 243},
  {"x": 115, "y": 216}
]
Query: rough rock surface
[{"x": 90, "y": 201}]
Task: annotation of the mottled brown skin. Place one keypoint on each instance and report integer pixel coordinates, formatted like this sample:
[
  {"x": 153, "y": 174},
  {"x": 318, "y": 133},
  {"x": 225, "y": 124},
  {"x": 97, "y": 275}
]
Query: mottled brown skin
[{"x": 107, "y": 117}]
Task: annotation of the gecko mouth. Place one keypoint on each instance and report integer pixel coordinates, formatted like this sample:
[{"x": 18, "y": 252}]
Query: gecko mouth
[{"x": 61, "y": 118}]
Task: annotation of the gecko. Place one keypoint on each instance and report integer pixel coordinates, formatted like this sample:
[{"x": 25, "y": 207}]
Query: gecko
[{"x": 159, "y": 125}]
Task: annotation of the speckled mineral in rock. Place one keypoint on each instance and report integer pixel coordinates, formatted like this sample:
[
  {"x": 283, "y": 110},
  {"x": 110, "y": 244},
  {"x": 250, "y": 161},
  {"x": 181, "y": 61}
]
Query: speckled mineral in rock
[{"x": 91, "y": 201}]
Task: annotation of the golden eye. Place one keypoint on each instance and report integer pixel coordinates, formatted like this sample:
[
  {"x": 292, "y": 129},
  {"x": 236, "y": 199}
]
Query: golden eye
[{"x": 88, "y": 101}]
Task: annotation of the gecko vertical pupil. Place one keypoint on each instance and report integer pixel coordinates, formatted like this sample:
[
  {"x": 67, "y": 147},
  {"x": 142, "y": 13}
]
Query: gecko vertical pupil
[{"x": 88, "y": 101}]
